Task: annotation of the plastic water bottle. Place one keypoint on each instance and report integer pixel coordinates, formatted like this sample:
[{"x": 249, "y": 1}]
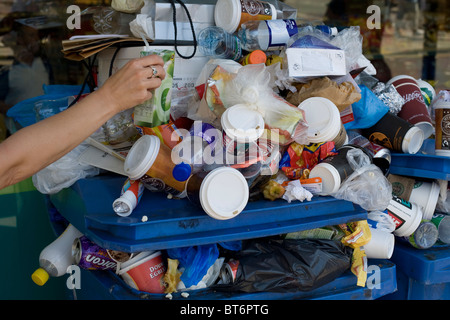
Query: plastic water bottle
[
  {"x": 271, "y": 35},
  {"x": 425, "y": 236},
  {"x": 217, "y": 43}
]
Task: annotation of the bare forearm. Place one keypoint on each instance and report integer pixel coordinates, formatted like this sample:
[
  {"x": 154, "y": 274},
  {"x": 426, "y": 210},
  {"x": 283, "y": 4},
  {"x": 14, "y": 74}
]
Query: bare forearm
[{"x": 35, "y": 147}]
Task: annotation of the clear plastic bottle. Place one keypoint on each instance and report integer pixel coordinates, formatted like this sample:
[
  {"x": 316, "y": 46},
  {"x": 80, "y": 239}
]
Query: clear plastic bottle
[
  {"x": 272, "y": 35},
  {"x": 425, "y": 236},
  {"x": 217, "y": 43}
]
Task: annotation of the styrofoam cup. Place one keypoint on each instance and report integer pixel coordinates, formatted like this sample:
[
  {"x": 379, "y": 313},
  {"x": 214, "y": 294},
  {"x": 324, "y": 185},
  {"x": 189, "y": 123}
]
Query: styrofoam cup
[
  {"x": 425, "y": 194},
  {"x": 323, "y": 119},
  {"x": 144, "y": 272},
  {"x": 381, "y": 244}
]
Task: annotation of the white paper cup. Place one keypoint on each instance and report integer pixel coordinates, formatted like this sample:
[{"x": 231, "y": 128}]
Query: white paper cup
[
  {"x": 144, "y": 272},
  {"x": 406, "y": 215},
  {"x": 230, "y": 14},
  {"x": 381, "y": 245},
  {"x": 425, "y": 194}
]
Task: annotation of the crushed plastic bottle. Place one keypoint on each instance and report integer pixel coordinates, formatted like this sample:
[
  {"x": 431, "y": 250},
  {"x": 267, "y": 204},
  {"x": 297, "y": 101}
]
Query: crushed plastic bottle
[
  {"x": 270, "y": 35},
  {"x": 217, "y": 43}
]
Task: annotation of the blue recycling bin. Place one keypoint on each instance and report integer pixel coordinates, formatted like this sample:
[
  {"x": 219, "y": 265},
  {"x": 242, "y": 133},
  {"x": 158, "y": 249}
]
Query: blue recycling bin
[
  {"x": 421, "y": 274},
  {"x": 106, "y": 285},
  {"x": 178, "y": 223}
]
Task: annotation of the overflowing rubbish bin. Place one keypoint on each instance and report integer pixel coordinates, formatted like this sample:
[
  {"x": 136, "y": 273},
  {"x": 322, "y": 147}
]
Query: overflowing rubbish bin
[{"x": 270, "y": 164}]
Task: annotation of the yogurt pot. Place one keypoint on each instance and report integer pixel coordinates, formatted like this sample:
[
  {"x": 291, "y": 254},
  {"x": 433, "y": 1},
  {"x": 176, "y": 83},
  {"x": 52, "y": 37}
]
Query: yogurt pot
[{"x": 222, "y": 193}]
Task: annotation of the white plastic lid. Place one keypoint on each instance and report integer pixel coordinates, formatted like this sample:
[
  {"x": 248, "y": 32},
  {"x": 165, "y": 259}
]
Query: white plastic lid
[
  {"x": 413, "y": 140},
  {"x": 227, "y": 14},
  {"x": 224, "y": 193},
  {"x": 139, "y": 259},
  {"x": 426, "y": 127},
  {"x": 242, "y": 124},
  {"x": 331, "y": 180},
  {"x": 141, "y": 156},
  {"x": 323, "y": 119},
  {"x": 402, "y": 76}
]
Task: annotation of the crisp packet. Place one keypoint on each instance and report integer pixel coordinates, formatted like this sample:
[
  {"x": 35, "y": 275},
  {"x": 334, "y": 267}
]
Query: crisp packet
[{"x": 298, "y": 160}]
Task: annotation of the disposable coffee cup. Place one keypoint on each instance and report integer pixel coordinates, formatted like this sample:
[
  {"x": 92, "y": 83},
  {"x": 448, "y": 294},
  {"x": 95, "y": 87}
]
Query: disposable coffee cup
[
  {"x": 150, "y": 162},
  {"x": 414, "y": 110},
  {"x": 442, "y": 222},
  {"x": 425, "y": 194},
  {"x": 334, "y": 170},
  {"x": 323, "y": 119},
  {"x": 428, "y": 92},
  {"x": 144, "y": 272},
  {"x": 406, "y": 215},
  {"x": 381, "y": 244},
  {"x": 230, "y": 14},
  {"x": 442, "y": 135},
  {"x": 222, "y": 193},
  {"x": 395, "y": 134}
]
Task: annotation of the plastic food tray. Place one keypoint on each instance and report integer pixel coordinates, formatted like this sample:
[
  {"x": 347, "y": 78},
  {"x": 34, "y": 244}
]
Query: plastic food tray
[{"x": 178, "y": 223}]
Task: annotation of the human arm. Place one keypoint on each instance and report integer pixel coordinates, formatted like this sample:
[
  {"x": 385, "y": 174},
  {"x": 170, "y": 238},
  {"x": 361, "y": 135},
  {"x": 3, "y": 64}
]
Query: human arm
[{"x": 33, "y": 148}]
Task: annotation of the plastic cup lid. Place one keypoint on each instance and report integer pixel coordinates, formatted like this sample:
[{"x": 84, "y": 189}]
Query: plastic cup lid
[
  {"x": 426, "y": 127},
  {"x": 331, "y": 180},
  {"x": 402, "y": 76},
  {"x": 138, "y": 259},
  {"x": 141, "y": 156},
  {"x": 430, "y": 207},
  {"x": 242, "y": 124},
  {"x": 323, "y": 119},
  {"x": 227, "y": 14},
  {"x": 224, "y": 193},
  {"x": 413, "y": 140}
]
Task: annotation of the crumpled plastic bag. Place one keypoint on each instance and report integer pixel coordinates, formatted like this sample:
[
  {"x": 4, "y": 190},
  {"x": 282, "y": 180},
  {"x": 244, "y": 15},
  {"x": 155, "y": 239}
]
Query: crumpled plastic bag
[
  {"x": 367, "y": 187},
  {"x": 64, "y": 172},
  {"x": 227, "y": 89},
  {"x": 288, "y": 265},
  {"x": 367, "y": 111},
  {"x": 381, "y": 221},
  {"x": 195, "y": 261},
  {"x": 142, "y": 26}
]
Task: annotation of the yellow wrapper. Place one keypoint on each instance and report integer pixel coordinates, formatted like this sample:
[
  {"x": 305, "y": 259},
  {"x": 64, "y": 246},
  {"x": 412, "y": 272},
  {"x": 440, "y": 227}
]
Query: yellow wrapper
[
  {"x": 357, "y": 234},
  {"x": 359, "y": 266}
]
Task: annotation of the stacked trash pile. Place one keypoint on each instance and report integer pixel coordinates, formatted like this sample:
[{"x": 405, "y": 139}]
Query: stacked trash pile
[{"x": 283, "y": 110}]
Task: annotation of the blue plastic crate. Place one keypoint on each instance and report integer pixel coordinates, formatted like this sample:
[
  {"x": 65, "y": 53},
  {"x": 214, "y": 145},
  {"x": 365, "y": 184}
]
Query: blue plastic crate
[
  {"x": 421, "y": 274},
  {"x": 106, "y": 285},
  {"x": 178, "y": 223}
]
